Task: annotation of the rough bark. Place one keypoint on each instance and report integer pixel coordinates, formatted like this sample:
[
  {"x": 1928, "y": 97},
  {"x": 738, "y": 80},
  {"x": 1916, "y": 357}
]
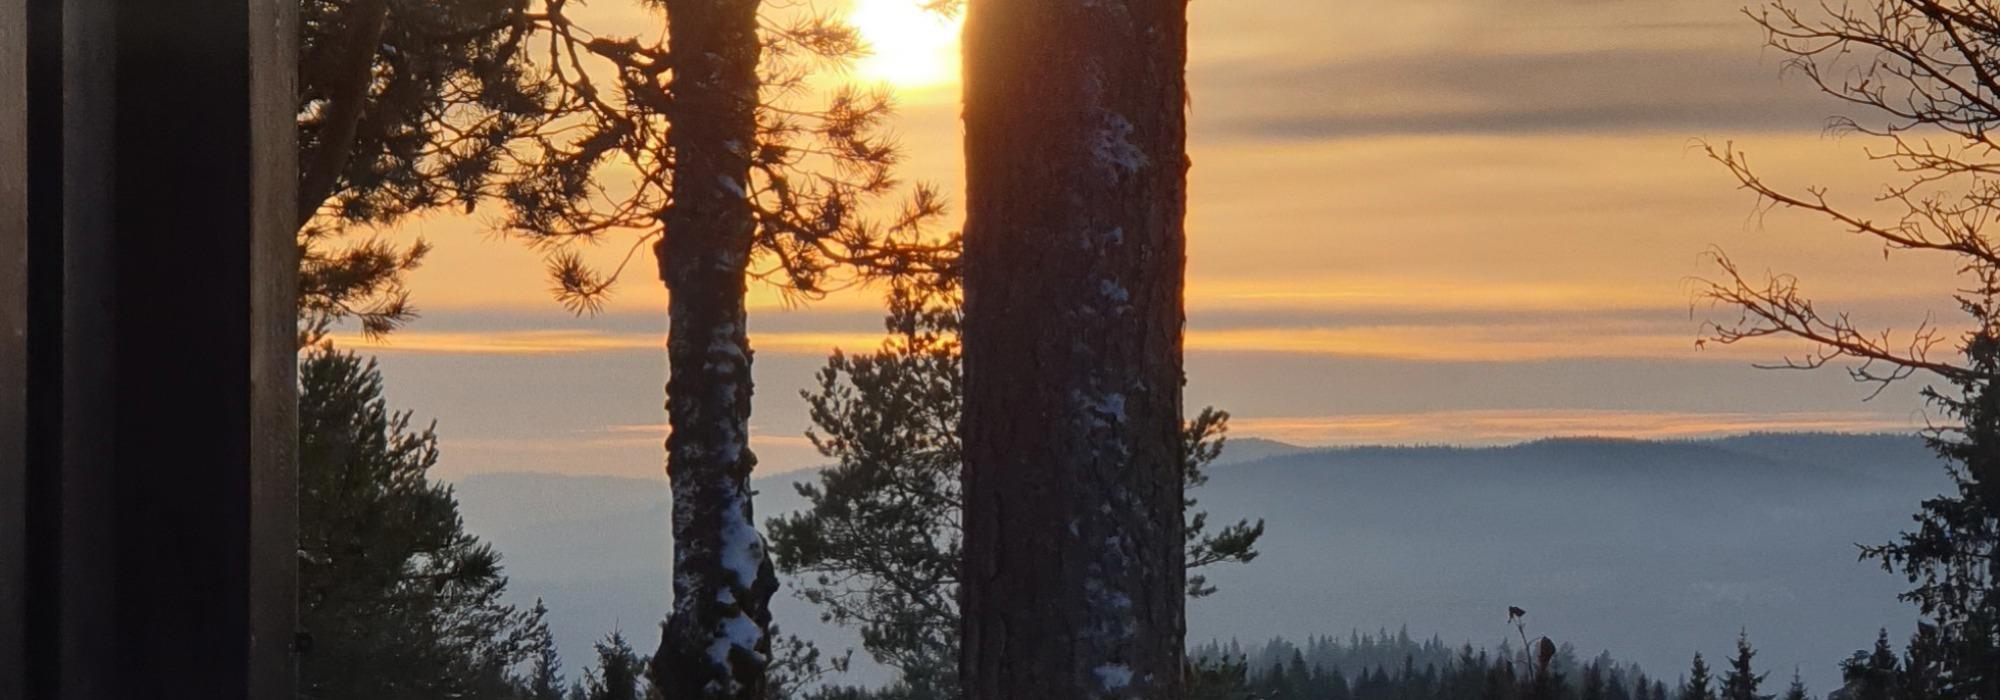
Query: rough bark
[
  {"x": 1074, "y": 252},
  {"x": 715, "y": 642}
]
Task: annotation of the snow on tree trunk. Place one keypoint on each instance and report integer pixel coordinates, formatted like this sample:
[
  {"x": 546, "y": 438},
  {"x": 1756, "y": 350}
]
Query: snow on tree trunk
[
  {"x": 715, "y": 642},
  {"x": 1074, "y": 252}
]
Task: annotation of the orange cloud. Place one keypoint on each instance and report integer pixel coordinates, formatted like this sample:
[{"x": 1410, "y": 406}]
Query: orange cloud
[{"x": 1474, "y": 427}]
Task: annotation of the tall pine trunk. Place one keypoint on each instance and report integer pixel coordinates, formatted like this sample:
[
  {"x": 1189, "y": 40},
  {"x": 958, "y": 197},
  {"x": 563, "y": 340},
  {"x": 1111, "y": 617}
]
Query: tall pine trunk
[
  {"x": 715, "y": 642},
  {"x": 1074, "y": 251}
]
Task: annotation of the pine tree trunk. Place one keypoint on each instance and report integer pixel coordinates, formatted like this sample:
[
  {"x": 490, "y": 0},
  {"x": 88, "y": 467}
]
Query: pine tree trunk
[
  {"x": 715, "y": 642},
  {"x": 1074, "y": 252}
]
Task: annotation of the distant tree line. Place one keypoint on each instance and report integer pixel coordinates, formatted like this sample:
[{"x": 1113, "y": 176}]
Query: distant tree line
[{"x": 1386, "y": 666}]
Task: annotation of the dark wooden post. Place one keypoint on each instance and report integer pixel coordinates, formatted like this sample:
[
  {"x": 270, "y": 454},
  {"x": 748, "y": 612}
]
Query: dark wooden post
[
  {"x": 147, "y": 272},
  {"x": 13, "y": 348}
]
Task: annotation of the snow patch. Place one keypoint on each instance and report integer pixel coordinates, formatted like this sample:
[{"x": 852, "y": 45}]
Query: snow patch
[
  {"x": 741, "y": 547},
  {"x": 1114, "y": 148},
  {"x": 1113, "y": 291},
  {"x": 730, "y": 185},
  {"x": 1107, "y": 409},
  {"x": 1114, "y": 676}
]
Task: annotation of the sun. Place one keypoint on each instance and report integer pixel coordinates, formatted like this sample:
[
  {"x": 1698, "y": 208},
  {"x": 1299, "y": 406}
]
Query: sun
[{"x": 911, "y": 48}]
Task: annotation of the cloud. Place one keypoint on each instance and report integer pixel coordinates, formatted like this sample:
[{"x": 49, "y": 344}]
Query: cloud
[
  {"x": 1418, "y": 325},
  {"x": 1490, "y": 427},
  {"x": 552, "y": 342},
  {"x": 1692, "y": 89}
]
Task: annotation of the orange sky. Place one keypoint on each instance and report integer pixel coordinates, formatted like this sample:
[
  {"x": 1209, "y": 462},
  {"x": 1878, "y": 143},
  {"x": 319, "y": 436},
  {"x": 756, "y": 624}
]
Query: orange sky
[{"x": 1426, "y": 221}]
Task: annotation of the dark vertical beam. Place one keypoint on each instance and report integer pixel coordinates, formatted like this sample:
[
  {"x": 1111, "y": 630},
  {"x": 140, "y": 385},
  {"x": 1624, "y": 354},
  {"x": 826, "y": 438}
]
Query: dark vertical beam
[
  {"x": 13, "y": 348},
  {"x": 152, "y": 546},
  {"x": 274, "y": 405},
  {"x": 71, "y": 103},
  {"x": 204, "y": 417}
]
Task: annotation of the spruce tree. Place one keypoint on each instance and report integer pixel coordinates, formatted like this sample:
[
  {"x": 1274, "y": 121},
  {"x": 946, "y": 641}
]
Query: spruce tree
[
  {"x": 1297, "y": 677},
  {"x": 1698, "y": 685},
  {"x": 1797, "y": 691},
  {"x": 1950, "y": 556},
  {"x": 1875, "y": 675},
  {"x": 1594, "y": 687},
  {"x": 545, "y": 681},
  {"x": 397, "y": 599},
  {"x": 1909, "y": 87},
  {"x": 620, "y": 671},
  {"x": 1615, "y": 688},
  {"x": 1336, "y": 687},
  {"x": 1741, "y": 681}
]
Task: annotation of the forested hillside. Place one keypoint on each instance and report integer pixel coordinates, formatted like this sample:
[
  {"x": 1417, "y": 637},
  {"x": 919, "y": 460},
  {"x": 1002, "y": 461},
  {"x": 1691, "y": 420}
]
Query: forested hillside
[{"x": 1652, "y": 550}]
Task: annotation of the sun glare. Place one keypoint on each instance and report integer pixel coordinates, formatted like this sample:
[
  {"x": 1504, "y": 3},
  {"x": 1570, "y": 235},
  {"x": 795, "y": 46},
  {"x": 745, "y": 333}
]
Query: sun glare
[{"x": 910, "y": 47}]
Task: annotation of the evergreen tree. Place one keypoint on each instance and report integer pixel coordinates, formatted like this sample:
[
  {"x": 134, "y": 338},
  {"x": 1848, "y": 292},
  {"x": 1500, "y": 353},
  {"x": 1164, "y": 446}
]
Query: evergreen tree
[
  {"x": 1697, "y": 686},
  {"x": 879, "y": 544},
  {"x": 545, "y": 681},
  {"x": 404, "y": 106},
  {"x": 736, "y": 180},
  {"x": 1298, "y": 679},
  {"x": 399, "y": 601},
  {"x": 1333, "y": 686},
  {"x": 620, "y": 671},
  {"x": 1276, "y": 684},
  {"x": 1910, "y": 87},
  {"x": 1593, "y": 687},
  {"x": 1874, "y": 675},
  {"x": 1220, "y": 678},
  {"x": 1741, "y": 681},
  {"x": 1950, "y": 556},
  {"x": 1500, "y": 683},
  {"x": 1798, "y": 689}
]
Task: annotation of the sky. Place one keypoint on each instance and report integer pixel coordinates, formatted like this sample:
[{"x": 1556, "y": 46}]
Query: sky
[{"x": 1427, "y": 221}]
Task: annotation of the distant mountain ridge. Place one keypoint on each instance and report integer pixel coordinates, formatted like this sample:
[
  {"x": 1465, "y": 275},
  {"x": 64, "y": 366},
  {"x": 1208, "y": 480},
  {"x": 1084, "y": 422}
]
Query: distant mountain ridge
[{"x": 1651, "y": 549}]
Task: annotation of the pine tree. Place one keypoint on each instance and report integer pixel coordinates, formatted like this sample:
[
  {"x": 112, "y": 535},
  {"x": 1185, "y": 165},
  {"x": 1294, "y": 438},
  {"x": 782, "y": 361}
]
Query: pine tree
[
  {"x": 732, "y": 187},
  {"x": 723, "y": 580},
  {"x": 398, "y": 600},
  {"x": 1742, "y": 681},
  {"x": 404, "y": 106},
  {"x": 888, "y": 419},
  {"x": 1075, "y": 135},
  {"x": 1697, "y": 686}
]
